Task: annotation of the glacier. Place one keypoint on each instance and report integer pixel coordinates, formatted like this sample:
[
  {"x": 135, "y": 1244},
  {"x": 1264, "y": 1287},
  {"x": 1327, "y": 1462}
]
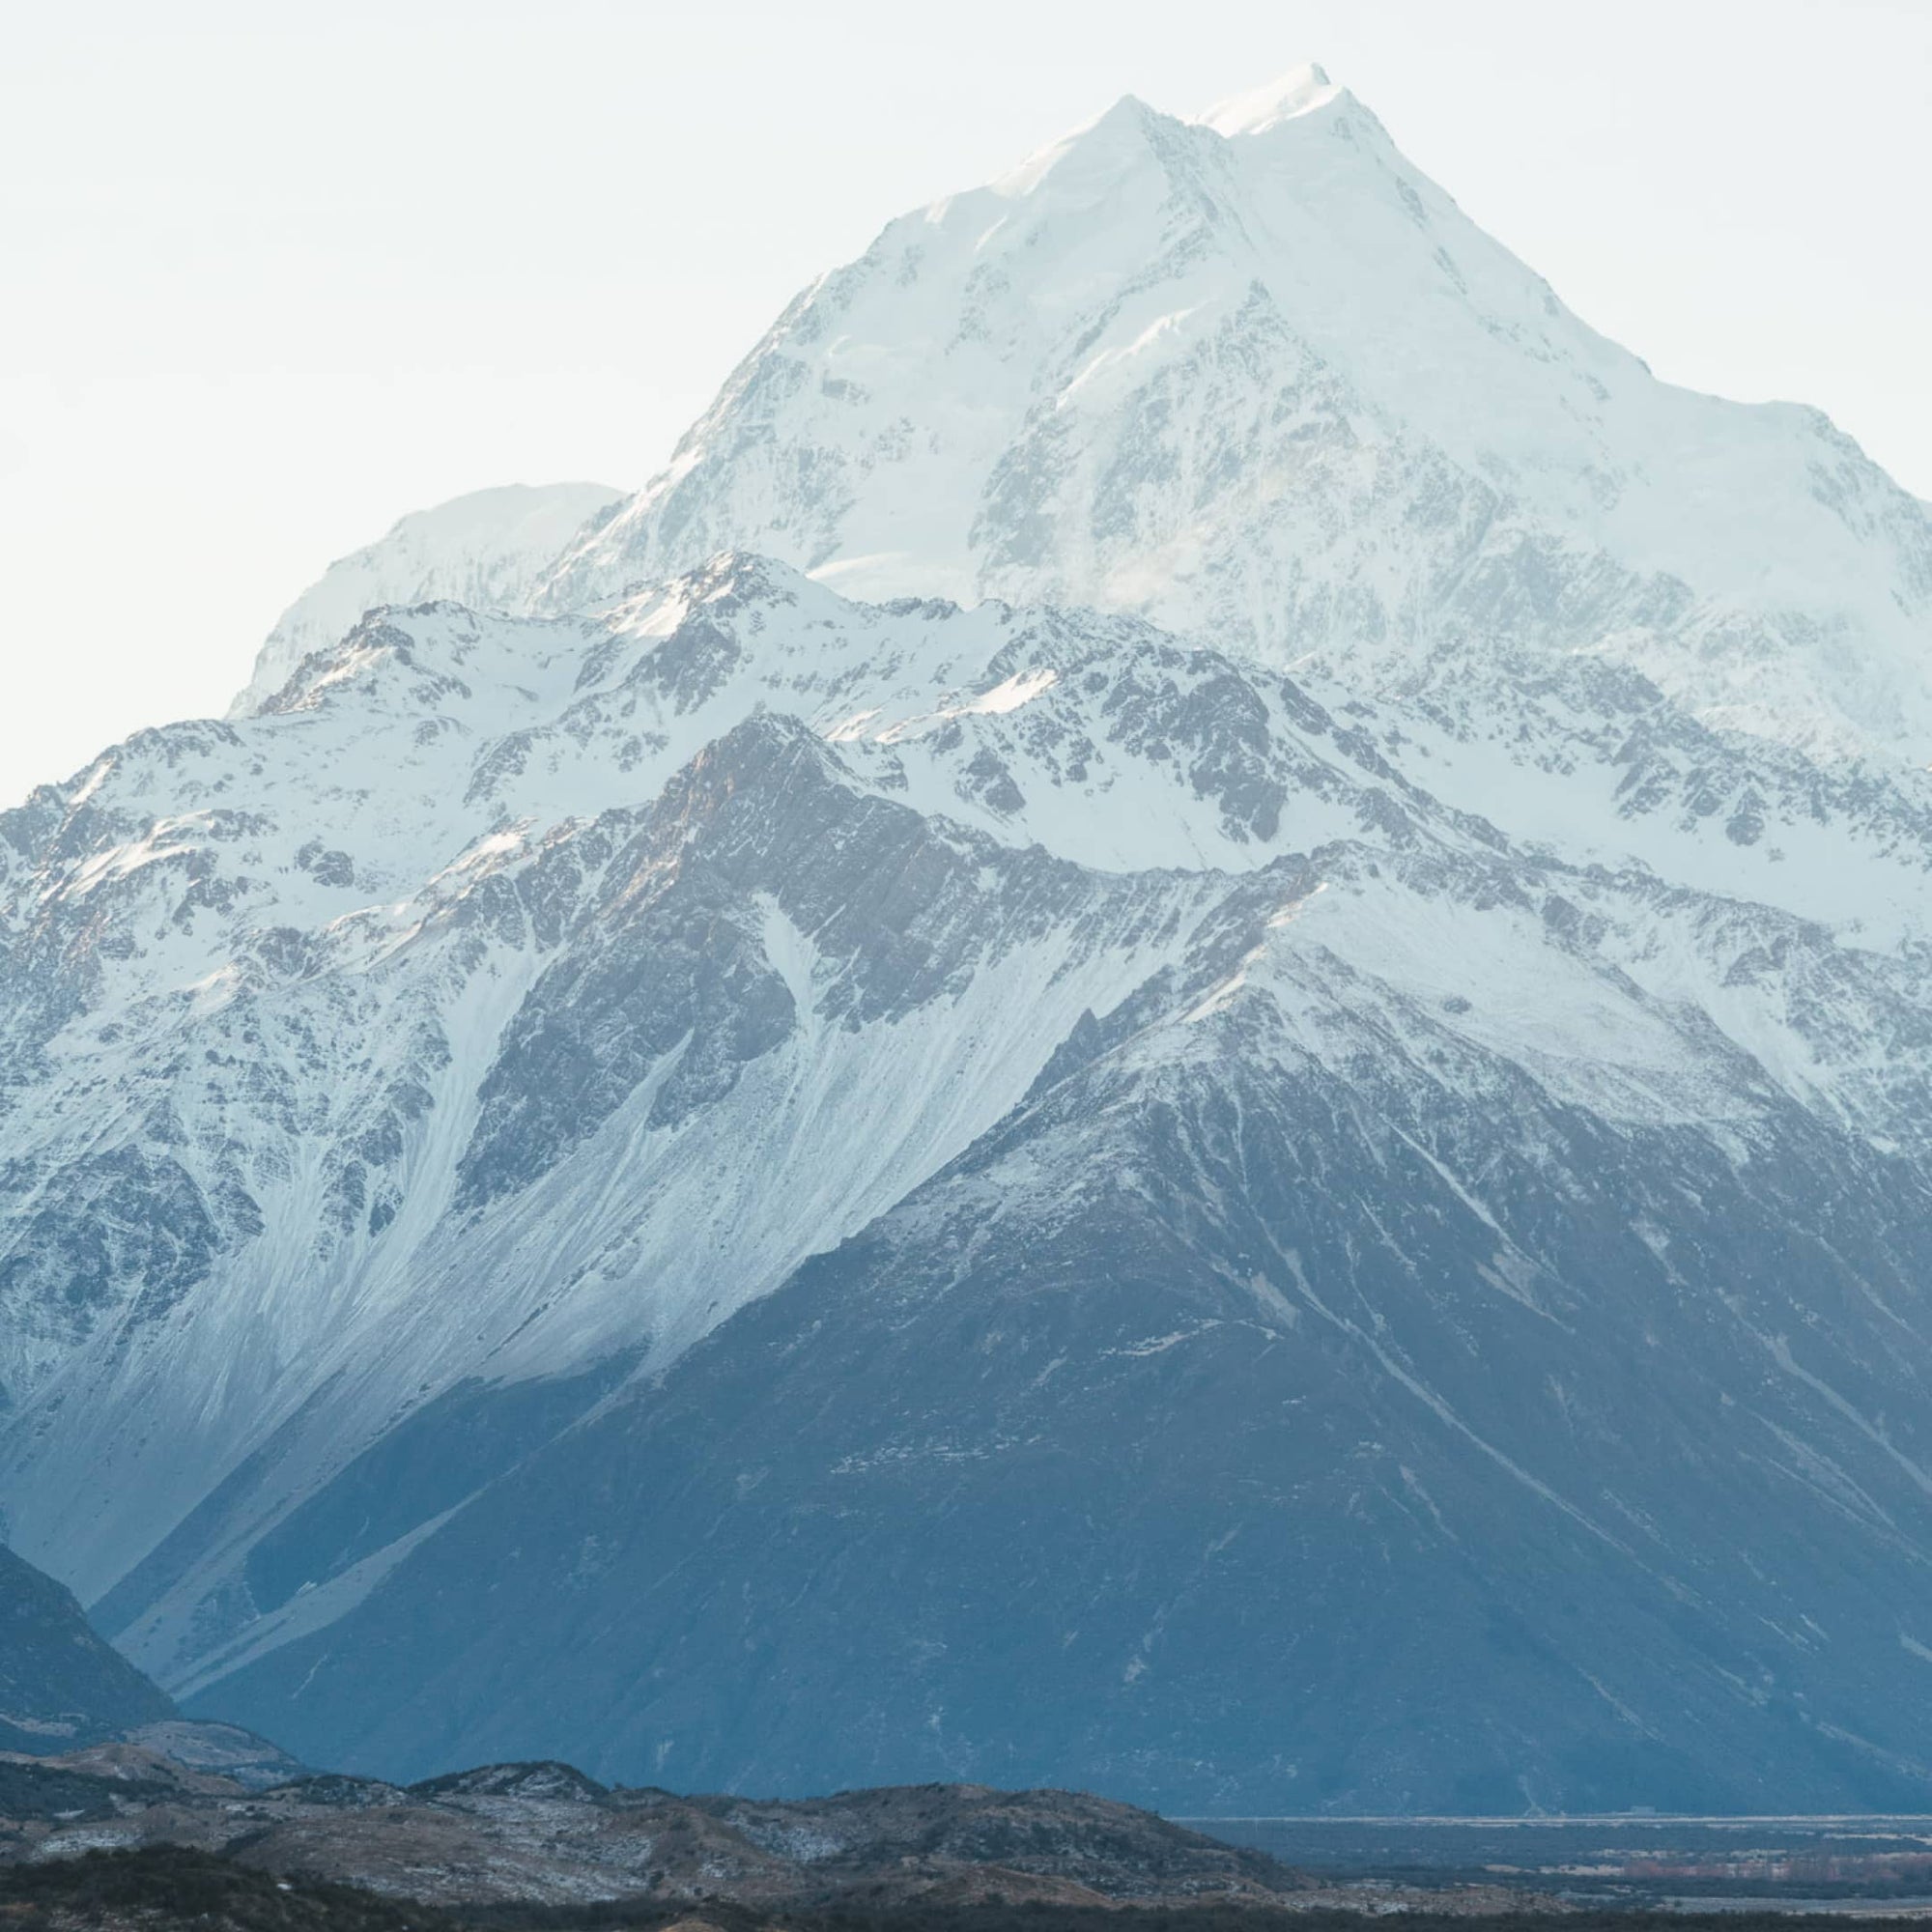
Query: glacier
[{"x": 1171, "y": 1033}]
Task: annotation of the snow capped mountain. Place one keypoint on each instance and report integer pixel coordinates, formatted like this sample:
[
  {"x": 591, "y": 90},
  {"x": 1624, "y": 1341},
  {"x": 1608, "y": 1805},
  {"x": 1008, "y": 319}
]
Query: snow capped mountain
[
  {"x": 1286, "y": 1165},
  {"x": 484, "y": 549},
  {"x": 649, "y": 956},
  {"x": 1260, "y": 379},
  {"x": 487, "y": 788}
]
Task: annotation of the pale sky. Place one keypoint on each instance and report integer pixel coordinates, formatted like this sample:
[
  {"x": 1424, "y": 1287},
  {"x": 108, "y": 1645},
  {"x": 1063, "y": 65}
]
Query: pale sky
[{"x": 273, "y": 274}]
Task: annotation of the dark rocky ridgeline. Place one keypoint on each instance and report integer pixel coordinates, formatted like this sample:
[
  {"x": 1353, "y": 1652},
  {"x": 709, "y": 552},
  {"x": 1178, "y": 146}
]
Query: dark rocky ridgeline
[
  {"x": 61, "y": 1685},
  {"x": 167, "y": 1887},
  {"x": 545, "y": 1830},
  {"x": 544, "y": 1834},
  {"x": 1053, "y": 1838},
  {"x": 39, "y": 1791}
]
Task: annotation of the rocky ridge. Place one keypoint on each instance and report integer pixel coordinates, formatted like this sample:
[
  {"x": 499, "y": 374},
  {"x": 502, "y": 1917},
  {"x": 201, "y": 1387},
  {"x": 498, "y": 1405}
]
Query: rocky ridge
[{"x": 545, "y": 1832}]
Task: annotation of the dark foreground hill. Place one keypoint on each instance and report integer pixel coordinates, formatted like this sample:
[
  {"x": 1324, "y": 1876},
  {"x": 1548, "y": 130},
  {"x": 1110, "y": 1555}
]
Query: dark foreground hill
[
  {"x": 60, "y": 1683},
  {"x": 167, "y": 1889},
  {"x": 546, "y": 1833},
  {"x": 515, "y": 1842}
]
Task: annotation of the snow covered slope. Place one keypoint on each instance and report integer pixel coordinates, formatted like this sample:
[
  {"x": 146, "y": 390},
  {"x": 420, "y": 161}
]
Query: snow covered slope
[
  {"x": 406, "y": 1077},
  {"x": 1260, "y": 379},
  {"x": 484, "y": 549},
  {"x": 612, "y": 1175}
]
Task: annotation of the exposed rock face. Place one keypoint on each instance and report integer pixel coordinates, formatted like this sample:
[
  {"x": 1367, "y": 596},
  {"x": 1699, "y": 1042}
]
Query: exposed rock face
[
  {"x": 1326, "y": 1208},
  {"x": 59, "y": 1685},
  {"x": 544, "y": 1833}
]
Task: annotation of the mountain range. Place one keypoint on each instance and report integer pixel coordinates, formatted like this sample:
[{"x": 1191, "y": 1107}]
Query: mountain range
[{"x": 1171, "y": 1033}]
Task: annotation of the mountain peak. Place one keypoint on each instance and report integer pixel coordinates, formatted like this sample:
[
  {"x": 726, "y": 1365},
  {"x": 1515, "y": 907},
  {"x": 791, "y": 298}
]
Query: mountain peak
[
  {"x": 1188, "y": 370},
  {"x": 1301, "y": 90},
  {"x": 1093, "y": 157},
  {"x": 484, "y": 549}
]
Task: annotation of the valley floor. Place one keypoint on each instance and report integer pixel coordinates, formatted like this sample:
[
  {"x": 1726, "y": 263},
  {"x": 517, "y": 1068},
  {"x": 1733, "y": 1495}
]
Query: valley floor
[{"x": 169, "y": 1889}]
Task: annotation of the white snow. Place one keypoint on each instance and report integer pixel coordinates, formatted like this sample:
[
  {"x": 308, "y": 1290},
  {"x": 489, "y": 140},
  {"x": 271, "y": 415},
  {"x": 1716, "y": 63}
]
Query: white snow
[
  {"x": 1300, "y": 91},
  {"x": 484, "y": 549},
  {"x": 1259, "y": 379}
]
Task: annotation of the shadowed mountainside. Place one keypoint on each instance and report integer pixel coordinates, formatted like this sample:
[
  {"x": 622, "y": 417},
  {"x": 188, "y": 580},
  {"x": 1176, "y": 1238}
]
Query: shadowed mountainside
[{"x": 61, "y": 1685}]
